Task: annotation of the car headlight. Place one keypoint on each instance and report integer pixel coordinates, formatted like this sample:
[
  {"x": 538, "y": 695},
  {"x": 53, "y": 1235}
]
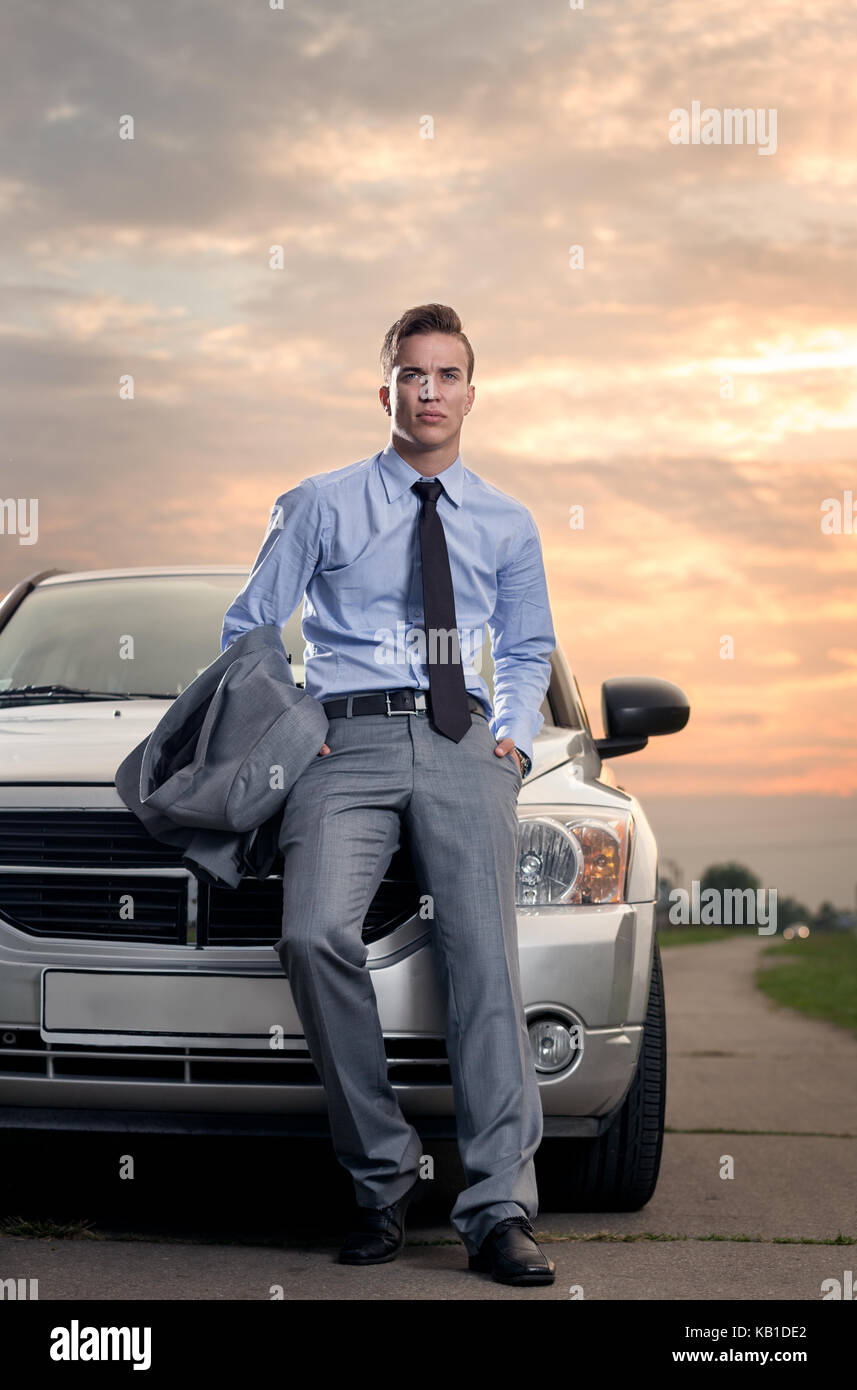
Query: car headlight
[{"x": 572, "y": 857}]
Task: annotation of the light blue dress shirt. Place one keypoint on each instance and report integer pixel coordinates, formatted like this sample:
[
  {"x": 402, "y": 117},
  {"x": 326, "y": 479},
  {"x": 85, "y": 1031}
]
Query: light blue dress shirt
[{"x": 348, "y": 541}]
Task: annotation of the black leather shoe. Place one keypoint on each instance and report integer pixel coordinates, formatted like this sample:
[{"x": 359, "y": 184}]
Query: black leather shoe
[
  {"x": 511, "y": 1255},
  {"x": 379, "y": 1235}
]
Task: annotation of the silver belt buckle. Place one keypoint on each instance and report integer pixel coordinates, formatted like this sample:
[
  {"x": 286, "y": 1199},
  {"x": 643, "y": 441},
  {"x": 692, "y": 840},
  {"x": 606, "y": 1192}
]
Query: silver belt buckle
[{"x": 419, "y": 704}]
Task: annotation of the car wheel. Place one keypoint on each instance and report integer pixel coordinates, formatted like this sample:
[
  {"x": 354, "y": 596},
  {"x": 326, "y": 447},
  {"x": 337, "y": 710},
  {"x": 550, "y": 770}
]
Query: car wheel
[{"x": 618, "y": 1171}]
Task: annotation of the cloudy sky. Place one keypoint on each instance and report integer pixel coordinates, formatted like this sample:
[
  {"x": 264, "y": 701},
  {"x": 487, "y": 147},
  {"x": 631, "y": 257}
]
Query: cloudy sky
[{"x": 691, "y": 385}]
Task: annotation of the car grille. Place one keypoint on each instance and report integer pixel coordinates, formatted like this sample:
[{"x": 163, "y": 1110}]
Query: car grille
[
  {"x": 24, "y": 1053},
  {"x": 71, "y": 873}
]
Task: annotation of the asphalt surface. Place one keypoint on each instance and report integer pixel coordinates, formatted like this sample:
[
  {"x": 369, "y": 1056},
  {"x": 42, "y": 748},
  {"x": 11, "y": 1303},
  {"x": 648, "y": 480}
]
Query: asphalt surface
[{"x": 239, "y": 1219}]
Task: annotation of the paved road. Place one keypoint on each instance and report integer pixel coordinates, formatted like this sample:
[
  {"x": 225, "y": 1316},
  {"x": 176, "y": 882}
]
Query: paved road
[{"x": 237, "y": 1220}]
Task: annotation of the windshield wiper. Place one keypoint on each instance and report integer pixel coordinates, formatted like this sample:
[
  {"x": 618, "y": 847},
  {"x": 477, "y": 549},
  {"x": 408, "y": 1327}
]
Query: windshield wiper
[{"x": 26, "y": 692}]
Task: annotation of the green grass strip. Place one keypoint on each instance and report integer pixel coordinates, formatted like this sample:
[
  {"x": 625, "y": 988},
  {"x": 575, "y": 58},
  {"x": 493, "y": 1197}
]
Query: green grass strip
[{"x": 818, "y": 977}]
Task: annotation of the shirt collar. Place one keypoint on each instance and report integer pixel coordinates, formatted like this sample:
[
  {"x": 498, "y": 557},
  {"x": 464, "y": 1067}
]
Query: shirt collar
[{"x": 398, "y": 476}]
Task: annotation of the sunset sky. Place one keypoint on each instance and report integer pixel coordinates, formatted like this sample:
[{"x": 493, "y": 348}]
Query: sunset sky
[{"x": 692, "y": 386}]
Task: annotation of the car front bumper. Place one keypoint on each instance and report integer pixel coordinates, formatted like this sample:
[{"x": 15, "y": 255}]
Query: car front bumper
[{"x": 588, "y": 965}]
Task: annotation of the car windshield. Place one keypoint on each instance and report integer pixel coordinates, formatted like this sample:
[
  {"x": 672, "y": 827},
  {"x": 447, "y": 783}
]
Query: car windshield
[{"x": 144, "y": 635}]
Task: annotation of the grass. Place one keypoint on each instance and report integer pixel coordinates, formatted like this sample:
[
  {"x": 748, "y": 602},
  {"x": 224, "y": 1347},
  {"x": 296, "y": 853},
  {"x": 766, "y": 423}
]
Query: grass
[
  {"x": 756, "y": 1133},
  {"x": 818, "y": 977},
  {"x": 691, "y": 936},
  {"x": 42, "y": 1230},
  {"x": 45, "y": 1229}
]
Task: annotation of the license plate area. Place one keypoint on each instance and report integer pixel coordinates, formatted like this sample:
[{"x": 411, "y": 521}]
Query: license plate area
[{"x": 168, "y": 1008}]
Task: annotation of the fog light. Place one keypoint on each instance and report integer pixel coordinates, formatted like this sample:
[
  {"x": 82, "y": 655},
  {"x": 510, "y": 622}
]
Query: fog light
[{"x": 555, "y": 1043}]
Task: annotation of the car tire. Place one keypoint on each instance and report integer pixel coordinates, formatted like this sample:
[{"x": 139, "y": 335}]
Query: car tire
[{"x": 618, "y": 1171}]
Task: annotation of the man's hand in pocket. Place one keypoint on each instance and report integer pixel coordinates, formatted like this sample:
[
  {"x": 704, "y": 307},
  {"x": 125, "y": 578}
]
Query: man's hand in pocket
[{"x": 506, "y": 746}]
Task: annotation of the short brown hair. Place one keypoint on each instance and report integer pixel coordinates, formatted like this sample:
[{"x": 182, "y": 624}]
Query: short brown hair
[{"x": 425, "y": 318}]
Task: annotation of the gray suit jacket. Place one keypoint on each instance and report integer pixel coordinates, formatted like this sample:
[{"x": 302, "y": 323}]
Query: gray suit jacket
[{"x": 202, "y": 780}]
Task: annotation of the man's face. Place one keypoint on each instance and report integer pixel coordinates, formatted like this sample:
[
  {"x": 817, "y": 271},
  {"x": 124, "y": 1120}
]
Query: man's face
[{"x": 428, "y": 396}]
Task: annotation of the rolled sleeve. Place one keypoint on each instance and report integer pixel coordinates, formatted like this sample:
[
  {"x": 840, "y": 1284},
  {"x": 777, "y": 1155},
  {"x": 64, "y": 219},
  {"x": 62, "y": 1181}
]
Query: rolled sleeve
[
  {"x": 288, "y": 558},
  {"x": 522, "y": 639}
]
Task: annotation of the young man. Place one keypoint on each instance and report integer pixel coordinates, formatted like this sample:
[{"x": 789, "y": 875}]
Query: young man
[{"x": 404, "y": 557}]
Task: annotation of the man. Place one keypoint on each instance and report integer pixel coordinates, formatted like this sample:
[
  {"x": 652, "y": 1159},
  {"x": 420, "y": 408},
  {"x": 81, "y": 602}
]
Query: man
[{"x": 403, "y": 558}]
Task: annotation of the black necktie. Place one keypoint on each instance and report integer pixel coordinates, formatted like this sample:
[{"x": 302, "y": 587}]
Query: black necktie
[{"x": 450, "y": 712}]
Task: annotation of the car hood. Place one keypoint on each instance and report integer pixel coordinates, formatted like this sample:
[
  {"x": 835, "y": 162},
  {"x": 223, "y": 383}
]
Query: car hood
[
  {"x": 86, "y": 741},
  {"x": 79, "y": 742}
]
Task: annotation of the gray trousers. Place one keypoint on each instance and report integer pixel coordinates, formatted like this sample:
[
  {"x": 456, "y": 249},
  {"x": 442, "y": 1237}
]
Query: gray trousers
[{"x": 340, "y": 829}]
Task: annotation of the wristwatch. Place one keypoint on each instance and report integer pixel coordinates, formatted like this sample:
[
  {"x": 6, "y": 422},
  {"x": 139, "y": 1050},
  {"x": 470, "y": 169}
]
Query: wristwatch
[{"x": 525, "y": 763}]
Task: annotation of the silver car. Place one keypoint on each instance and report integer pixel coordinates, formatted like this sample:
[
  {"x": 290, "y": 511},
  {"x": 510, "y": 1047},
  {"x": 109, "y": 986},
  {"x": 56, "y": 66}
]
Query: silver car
[{"x": 136, "y": 996}]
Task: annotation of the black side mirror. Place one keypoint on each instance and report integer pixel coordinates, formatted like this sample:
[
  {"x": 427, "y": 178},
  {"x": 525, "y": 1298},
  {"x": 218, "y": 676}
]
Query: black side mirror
[{"x": 633, "y": 708}]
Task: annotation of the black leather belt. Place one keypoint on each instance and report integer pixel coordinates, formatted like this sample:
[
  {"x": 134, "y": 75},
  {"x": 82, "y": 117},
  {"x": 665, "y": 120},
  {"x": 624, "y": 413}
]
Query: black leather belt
[{"x": 403, "y": 701}]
